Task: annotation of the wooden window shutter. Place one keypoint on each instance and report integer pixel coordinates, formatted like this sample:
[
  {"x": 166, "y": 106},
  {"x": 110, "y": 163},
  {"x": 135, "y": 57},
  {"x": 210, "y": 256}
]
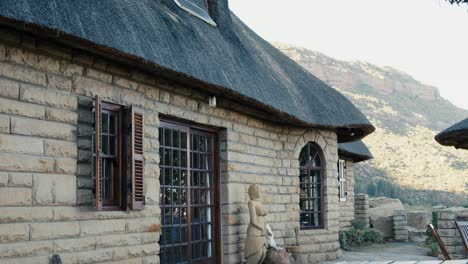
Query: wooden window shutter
[
  {"x": 97, "y": 159},
  {"x": 136, "y": 158}
]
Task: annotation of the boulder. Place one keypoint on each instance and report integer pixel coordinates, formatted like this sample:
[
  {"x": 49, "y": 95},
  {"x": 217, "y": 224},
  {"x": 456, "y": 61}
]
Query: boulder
[
  {"x": 381, "y": 214},
  {"x": 280, "y": 256}
]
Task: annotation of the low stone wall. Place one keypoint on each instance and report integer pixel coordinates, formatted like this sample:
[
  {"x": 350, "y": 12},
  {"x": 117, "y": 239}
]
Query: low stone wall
[
  {"x": 361, "y": 207},
  {"x": 400, "y": 226},
  {"x": 448, "y": 231}
]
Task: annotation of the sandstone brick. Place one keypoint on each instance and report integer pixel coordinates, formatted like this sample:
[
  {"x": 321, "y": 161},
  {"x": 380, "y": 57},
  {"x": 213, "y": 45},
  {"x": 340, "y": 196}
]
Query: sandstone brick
[
  {"x": 9, "y": 89},
  {"x": 69, "y": 69},
  {"x": 125, "y": 83},
  {"x": 21, "y": 144},
  {"x": 67, "y": 166},
  {"x": 2, "y": 52},
  {"x": 75, "y": 244},
  {"x": 89, "y": 228},
  {"x": 43, "y": 231},
  {"x": 4, "y": 124},
  {"x": 59, "y": 82},
  {"x": 24, "y": 163},
  {"x": 90, "y": 87},
  {"x": 99, "y": 75},
  {"x": 54, "y": 98},
  {"x": 42, "y": 128},
  {"x": 20, "y": 180},
  {"x": 51, "y": 189},
  {"x": 15, "y": 196},
  {"x": 56, "y": 148},
  {"x": 22, "y": 73},
  {"x": 151, "y": 190},
  {"x": 149, "y": 224},
  {"x": 13, "y": 232},
  {"x": 25, "y": 214},
  {"x": 43, "y": 259},
  {"x": 3, "y": 179},
  {"x": 95, "y": 256},
  {"x": 118, "y": 240},
  {"x": 26, "y": 249},
  {"x": 28, "y": 58},
  {"x": 14, "y": 107}
]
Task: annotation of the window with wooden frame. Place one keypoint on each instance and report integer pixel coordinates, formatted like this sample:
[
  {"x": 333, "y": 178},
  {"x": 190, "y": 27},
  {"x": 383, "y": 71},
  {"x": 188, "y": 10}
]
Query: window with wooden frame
[
  {"x": 311, "y": 183},
  {"x": 110, "y": 156},
  {"x": 343, "y": 192},
  {"x": 190, "y": 230}
]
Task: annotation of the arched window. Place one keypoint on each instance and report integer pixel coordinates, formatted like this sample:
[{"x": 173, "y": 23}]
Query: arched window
[{"x": 311, "y": 186}]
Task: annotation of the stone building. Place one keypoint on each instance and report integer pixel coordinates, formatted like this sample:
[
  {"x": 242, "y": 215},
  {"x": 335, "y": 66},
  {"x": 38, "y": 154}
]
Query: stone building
[
  {"x": 131, "y": 130},
  {"x": 349, "y": 154}
]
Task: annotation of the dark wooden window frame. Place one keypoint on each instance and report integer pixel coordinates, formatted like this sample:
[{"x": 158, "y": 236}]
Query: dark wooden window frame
[
  {"x": 118, "y": 200},
  {"x": 308, "y": 168},
  {"x": 167, "y": 122}
]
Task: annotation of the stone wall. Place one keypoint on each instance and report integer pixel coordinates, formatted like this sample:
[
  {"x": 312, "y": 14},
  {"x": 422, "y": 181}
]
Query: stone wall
[
  {"x": 448, "y": 231},
  {"x": 400, "y": 226},
  {"x": 347, "y": 207},
  {"x": 361, "y": 207},
  {"x": 45, "y": 187}
]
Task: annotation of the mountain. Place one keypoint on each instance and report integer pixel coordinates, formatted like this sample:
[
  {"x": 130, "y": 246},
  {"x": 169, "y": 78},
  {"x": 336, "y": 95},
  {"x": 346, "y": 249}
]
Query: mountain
[{"x": 408, "y": 163}]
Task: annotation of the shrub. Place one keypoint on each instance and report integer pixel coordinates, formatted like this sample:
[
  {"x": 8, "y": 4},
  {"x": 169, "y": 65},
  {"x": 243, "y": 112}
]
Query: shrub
[
  {"x": 360, "y": 235},
  {"x": 431, "y": 241},
  {"x": 343, "y": 240}
]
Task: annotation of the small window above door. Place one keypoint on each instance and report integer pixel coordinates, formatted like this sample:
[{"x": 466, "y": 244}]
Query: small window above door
[{"x": 198, "y": 8}]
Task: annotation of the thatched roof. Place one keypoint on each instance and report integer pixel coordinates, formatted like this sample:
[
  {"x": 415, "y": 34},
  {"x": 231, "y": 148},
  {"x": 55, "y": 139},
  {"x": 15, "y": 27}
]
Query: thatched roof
[
  {"x": 357, "y": 151},
  {"x": 228, "y": 59},
  {"x": 456, "y": 135}
]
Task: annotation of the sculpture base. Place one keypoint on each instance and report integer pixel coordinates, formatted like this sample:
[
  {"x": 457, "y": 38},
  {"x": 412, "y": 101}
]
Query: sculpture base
[
  {"x": 280, "y": 256},
  {"x": 296, "y": 252}
]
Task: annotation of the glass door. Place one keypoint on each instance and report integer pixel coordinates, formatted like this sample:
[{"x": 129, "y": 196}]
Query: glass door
[{"x": 187, "y": 195}]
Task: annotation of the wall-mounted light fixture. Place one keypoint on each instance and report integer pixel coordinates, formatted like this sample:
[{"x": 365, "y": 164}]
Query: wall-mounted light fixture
[{"x": 212, "y": 101}]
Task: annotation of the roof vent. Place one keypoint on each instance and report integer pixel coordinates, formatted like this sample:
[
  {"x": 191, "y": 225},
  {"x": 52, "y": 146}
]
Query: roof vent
[{"x": 198, "y": 8}]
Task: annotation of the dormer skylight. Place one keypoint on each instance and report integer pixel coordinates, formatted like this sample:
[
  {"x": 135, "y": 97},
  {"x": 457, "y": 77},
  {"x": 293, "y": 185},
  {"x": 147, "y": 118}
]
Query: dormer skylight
[{"x": 198, "y": 8}]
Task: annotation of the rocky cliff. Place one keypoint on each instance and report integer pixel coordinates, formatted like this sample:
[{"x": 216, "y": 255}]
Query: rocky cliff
[{"x": 407, "y": 115}]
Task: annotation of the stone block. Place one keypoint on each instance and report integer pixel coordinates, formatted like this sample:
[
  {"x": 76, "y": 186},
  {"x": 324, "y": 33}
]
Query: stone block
[
  {"x": 66, "y": 166},
  {"x": 61, "y": 115},
  {"x": 51, "y": 189},
  {"x": 56, "y": 148},
  {"x": 48, "y": 97},
  {"x": 101, "y": 227},
  {"x": 25, "y": 163},
  {"x": 118, "y": 240},
  {"x": 15, "y": 107},
  {"x": 99, "y": 75},
  {"x": 59, "y": 82},
  {"x": 149, "y": 224},
  {"x": 15, "y": 196},
  {"x": 23, "y": 74},
  {"x": 26, "y": 249},
  {"x": 28, "y": 58},
  {"x": 44, "y": 231},
  {"x": 69, "y": 69},
  {"x": 33, "y": 127},
  {"x": 25, "y": 214},
  {"x": 4, "y": 124},
  {"x": 13, "y": 232},
  {"x": 9, "y": 89},
  {"x": 3, "y": 179},
  {"x": 21, "y": 144},
  {"x": 20, "y": 179},
  {"x": 96, "y": 256},
  {"x": 75, "y": 244}
]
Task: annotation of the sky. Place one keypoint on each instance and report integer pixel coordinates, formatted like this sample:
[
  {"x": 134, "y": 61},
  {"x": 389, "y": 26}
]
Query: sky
[{"x": 426, "y": 38}]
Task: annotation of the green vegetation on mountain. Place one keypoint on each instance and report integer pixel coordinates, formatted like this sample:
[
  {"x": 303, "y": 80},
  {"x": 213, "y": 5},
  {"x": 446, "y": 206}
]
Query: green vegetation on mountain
[{"x": 408, "y": 163}]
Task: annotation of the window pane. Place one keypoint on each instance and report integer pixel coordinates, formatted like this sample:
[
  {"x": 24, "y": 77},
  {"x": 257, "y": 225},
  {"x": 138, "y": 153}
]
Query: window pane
[{"x": 105, "y": 122}]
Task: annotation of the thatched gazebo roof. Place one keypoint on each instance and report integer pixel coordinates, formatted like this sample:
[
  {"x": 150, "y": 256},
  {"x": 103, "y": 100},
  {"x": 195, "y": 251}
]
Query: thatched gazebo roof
[
  {"x": 228, "y": 60},
  {"x": 456, "y": 135},
  {"x": 357, "y": 151}
]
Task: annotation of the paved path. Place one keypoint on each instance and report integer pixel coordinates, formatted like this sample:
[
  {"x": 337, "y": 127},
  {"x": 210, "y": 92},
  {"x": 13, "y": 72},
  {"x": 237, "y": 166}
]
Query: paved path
[{"x": 394, "y": 253}]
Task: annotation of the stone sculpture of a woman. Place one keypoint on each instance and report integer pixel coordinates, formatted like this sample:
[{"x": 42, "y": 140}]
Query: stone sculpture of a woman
[{"x": 255, "y": 245}]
